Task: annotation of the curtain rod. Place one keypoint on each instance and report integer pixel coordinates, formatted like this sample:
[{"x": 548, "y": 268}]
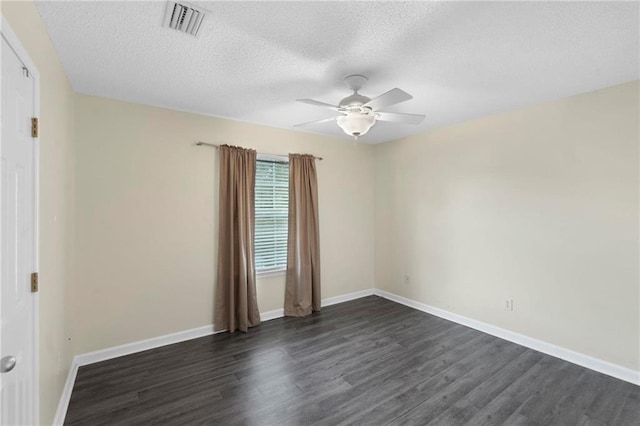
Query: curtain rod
[{"x": 263, "y": 153}]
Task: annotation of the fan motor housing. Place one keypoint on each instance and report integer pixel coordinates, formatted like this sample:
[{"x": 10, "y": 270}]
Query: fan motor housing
[{"x": 355, "y": 100}]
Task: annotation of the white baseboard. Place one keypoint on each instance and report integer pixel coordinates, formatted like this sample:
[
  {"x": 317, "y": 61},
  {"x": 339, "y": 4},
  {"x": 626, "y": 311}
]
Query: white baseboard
[
  {"x": 167, "y": 339},
  {"x": 346, "y": 297},
  {"x": 586, "y": 361},
  {"x": 117, "y": 351},
  {"x": 269, "y": 315},
  {"x": 61, "y": 411},
  {"x": 604, "y": 367},
  {"x": 143, "y": 345},
  {"x": 279, "y": 313}
]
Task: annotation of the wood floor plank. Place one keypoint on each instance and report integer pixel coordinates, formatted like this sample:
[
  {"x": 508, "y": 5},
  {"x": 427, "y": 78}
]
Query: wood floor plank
[
  {"x": 368, "y": 361},
  {"x": 515, "y": 394},
  {"x": 458, "y": 381},
  {"x": 630, "y": 413},
  {"x": 470, "y": 404},
  {"x": 542, "y": 399},
  {"x": 405, "y": 385}
]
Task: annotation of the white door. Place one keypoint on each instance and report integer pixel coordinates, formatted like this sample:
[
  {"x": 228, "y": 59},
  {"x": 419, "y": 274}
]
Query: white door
[{"x": 17, "y": 247}]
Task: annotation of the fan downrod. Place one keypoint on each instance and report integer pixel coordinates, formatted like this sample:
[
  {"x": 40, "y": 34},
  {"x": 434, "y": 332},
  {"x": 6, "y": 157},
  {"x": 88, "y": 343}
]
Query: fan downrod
[{"x": 355, "y": 82}]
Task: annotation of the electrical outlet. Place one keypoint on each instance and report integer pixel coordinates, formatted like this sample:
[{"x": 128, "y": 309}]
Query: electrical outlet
[
  {"x": 508, "y": 304},
  {"x": 407, "y": 279}
]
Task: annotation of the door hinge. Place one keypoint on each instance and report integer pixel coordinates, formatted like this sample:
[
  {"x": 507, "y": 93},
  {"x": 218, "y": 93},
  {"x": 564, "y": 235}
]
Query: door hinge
[
  {"x": 34, "y": 282},
  {"x": 34, "y": 127},
  {"x": 25, "y": 71}
]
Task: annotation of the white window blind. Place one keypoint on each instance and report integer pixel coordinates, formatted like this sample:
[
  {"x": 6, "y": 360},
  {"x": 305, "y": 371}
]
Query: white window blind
[{"x": 272, "y": 207}]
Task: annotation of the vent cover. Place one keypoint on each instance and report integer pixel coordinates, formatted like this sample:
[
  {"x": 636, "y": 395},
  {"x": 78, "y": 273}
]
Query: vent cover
[{"x": 183, "y": 17}]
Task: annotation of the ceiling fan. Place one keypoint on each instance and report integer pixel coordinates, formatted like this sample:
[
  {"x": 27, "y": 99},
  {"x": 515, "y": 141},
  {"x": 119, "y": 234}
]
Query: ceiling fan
[{"x": 360, "y": 113}]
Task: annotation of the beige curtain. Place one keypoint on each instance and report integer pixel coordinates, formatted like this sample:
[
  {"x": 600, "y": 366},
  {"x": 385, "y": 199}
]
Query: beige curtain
[
  {"x": 236, "y": 307},
  {"x": 302, "y": 289}
]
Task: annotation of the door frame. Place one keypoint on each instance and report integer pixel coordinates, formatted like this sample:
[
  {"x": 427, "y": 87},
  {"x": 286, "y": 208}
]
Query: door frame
[{"x": 14, "y": 42}]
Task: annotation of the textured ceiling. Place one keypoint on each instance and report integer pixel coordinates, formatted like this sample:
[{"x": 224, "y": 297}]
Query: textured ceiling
[{"x": 251, "y": 60}]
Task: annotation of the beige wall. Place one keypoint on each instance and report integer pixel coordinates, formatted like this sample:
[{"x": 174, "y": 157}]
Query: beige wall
[
  {"x": 147, "y": 218},
  {"x": 539, "y": 205},
  {"x": 56, "y": 200}
]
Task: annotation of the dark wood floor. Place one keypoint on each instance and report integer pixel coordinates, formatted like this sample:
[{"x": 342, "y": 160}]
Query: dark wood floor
[{"x": 368, "y": 361}]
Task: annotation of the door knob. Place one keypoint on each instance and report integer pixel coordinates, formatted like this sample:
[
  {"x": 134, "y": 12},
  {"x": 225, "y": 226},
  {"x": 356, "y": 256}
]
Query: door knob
[{"x": 7, "y": 363}]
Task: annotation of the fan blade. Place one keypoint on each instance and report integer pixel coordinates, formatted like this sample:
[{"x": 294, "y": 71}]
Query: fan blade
[
  {"x": 398, "y": 117},
  {"x": 316, "y": 122},
  {"x": 392, "y": 97},
  {"x": 318, "y": 103}
]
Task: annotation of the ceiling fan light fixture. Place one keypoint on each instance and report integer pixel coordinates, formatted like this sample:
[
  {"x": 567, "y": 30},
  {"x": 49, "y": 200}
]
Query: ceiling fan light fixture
[
  {"x": 356, "y": 123},
  {"x": 360, "y": 113}
]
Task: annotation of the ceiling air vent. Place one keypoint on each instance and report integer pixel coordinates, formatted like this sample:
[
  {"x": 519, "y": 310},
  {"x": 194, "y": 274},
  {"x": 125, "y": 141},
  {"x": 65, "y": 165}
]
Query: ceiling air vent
[{"x": 183, "y": 17}]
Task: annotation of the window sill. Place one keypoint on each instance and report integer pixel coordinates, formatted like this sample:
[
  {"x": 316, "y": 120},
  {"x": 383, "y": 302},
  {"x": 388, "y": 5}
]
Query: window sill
[{"x": 270, "y": 273}]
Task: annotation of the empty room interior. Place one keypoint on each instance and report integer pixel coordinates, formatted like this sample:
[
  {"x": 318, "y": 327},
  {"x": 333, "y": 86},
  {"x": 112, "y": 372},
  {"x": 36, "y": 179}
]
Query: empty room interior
[{"x": 320, "y": 213}]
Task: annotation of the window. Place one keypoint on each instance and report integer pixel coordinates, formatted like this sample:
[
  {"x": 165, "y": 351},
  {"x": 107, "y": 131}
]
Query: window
[{"x": 272, "y": 206}]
